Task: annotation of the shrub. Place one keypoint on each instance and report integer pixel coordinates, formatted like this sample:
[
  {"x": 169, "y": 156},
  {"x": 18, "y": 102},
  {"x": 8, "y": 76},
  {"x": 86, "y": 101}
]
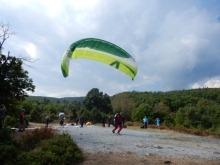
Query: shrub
[
  {"x": 6, "y": 137},
  {"x": 32, "y": 138},
  {"x": 9, "y": 148},
  {"x": 35, "y": 116},
  {"x": 38, "y": 147},
  {"x": 10, "y": 122},
  {"x": 55, "y": 151},
  {"x": 141, "y": 111},
  {"x": 63, "y": 145},
  {"x": 8, "y": 153}
]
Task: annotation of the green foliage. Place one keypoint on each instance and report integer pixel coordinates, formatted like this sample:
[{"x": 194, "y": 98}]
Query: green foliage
[
  {"x": 87, "y": 116},
  {"x": 15, "y": 78},
  {"x": 8, "y": 153},
  {"x": 8, "y": 146},
  {"x": 39, "y": 147},
  {"x": 78, "y": 100},
  {"x": 193, "y": 109},
  {"x": 123, "y": 103},
  {"x": 33, "y": 138},
  {"x": 35, "y": 116},
  {"x": 6, "y": 137},
  {"x": 55, "y": 151},
  {"x": 143, "y": 110},
  {"x": 10, "y": 122},
  {"x": 95, "y": 115},
  {"x": 169, "y": 121},
  {"x": 94, "y": 98},
  {"x": 180, "y": 119}
]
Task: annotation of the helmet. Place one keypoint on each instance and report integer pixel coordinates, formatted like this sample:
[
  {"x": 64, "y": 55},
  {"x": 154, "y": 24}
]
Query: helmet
[{"x": 120, "y": 113}]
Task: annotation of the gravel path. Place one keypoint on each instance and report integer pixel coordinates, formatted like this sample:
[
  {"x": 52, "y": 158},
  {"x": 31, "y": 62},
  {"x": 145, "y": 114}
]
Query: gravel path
[{"x": 144, "y": 142}]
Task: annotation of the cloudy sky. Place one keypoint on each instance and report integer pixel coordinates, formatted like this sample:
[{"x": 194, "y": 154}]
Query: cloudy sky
[{"x": 175, "y": 43}]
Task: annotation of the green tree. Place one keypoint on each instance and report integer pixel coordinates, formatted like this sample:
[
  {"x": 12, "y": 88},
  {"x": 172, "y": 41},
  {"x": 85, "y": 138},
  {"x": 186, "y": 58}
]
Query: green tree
[
  {"x": 95, "y": 115},
  {"x": 35, "y": 116},
  {"x": 180, "y": 117},
  {"x": 141, "y": 111},
  {"x": 14, "y": 80},
  {"x": 123, "y": 103},
  {"x": 94, "y": 98}
]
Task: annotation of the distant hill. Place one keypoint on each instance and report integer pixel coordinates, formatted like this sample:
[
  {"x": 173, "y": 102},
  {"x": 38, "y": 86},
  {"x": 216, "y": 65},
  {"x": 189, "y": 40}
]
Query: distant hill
[{"x": 54, "y": 99}]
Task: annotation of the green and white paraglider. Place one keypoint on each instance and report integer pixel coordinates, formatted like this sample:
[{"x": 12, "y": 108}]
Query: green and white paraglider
[{"x": 102, "y": 51}]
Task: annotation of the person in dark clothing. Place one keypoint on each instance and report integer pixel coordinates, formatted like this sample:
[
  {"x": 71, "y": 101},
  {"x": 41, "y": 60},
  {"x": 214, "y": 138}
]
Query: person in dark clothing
[
  {"x": 123, "y": 122},
  {"x": 77, "y": 121},
  {"x": 109, "y": 121},
  {"x": 47, "y": 122},
  {"x": 81, "y": 121},
  {"x": 62, "y": 122},
  {"x": 2, "y": 115},
  {"x": 118, "y": 122},
  {"x": 22, "y": 121},
  {"x": 103, "y": 121}
]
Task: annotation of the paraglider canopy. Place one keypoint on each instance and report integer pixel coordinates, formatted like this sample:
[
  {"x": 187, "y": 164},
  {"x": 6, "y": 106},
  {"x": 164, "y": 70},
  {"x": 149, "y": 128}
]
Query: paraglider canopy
[{"x": 102, "y": 51}]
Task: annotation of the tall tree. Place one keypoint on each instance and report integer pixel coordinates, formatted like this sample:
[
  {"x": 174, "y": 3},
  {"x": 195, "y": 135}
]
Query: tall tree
[
  {"x": 14, "y": 80},
  {"x": 94, "y": 98}
]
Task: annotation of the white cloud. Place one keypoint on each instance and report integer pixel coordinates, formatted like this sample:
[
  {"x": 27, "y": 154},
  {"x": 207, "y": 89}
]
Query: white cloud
[
  {"x": 196, "y": 85},
  {"x": 213, "y": 83}
]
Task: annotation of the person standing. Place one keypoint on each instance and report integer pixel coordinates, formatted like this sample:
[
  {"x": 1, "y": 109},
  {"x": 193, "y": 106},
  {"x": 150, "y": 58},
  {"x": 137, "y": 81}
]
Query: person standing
[
  {"x": 123, "y": 122},
  {"x": 81, "y": 121},
  {"x": 2, "y": 115},
  {"x": 118, "y": 123},
  {"x": 157, "y": 120},
  {"x": 103, "y": 121},
  {"x": 21, "y": 121},
  {"x": 47, "y": 122},
  {"x": 62, "y": 122},
  {"x": 77, "y": 121},
  {"x": 145, "y": 120},
  {"x": 109, "y": 121}
]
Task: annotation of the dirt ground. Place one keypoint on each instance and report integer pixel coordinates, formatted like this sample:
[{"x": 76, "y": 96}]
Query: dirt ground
[{"x": 131, "y": 159}]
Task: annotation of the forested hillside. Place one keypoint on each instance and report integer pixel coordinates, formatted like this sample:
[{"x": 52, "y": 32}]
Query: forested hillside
[
  {"x": 53, "y": 99},
  {"x": 195, "y": 108}
]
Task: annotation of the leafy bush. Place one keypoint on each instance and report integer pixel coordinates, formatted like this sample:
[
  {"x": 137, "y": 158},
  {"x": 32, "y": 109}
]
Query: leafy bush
[
  {"x": 60, "y": 149},
  {"x": 8, "y": 153},
  {"x": 9, "y": 148},
  {"x": 139, "y": 113},
  {"x": 35, "y": 116},
  {"x": 63, "y": 145},
  {"x": 10, "y": 122},
  {"x": 38, "y": 147},
  {"x": 33, "y": 138}
]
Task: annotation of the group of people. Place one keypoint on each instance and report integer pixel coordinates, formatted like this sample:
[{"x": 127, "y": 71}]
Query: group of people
[
  {"x": 81, "y": 120},
  {"x": 118, "y": 120},
  {"x": 145, "y": 121}
]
